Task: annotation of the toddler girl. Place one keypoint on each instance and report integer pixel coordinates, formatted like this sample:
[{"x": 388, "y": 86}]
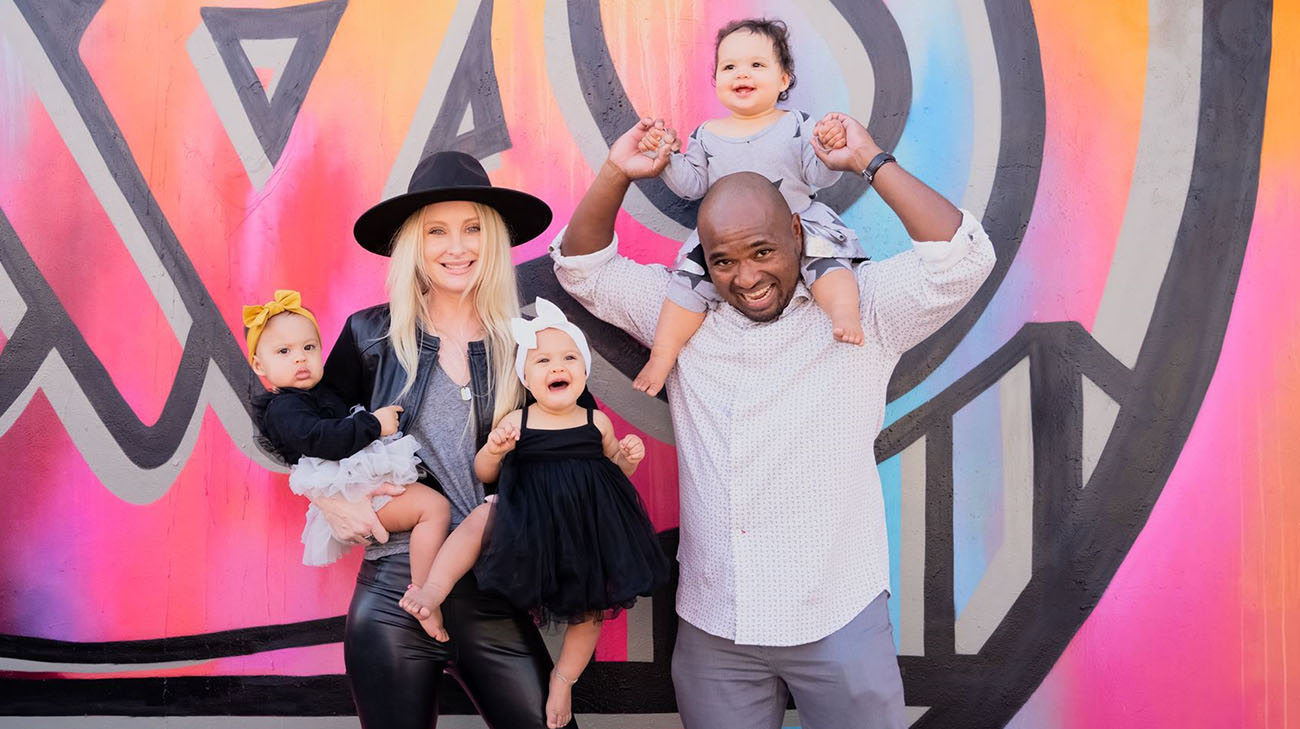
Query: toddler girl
[
  {"x": 333, "y": 451},
  {"x": 753, "y": 70},
  {"x": 567, "y": 536}
]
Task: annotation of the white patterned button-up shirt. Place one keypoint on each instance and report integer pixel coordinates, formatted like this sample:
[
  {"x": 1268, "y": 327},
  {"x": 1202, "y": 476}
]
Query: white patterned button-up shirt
[{"x": 782, "y": 517}]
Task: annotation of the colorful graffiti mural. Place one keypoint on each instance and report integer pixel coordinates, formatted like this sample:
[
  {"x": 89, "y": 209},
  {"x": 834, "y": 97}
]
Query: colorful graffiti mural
[{"x": 1089, "y": 472}]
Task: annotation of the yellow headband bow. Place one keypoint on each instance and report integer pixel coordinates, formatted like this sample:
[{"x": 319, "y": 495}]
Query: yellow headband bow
[{"x": 255, "y": 317}]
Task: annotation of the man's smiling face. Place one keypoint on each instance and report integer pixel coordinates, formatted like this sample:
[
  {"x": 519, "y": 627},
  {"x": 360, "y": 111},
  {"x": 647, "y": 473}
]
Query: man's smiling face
[{"x": 752, "y": 245}]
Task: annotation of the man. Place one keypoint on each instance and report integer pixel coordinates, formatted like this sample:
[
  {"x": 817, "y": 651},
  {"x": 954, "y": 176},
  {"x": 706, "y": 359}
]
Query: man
[{"x": 784, "y": 557}]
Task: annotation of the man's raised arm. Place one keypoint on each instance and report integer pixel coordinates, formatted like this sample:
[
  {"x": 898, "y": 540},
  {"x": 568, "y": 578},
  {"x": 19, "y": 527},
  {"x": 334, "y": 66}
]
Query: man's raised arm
[
  {"x": 926, "y": 214},
  {"x": 592, "y": 226},
  {"x": 907, "y": 297}
]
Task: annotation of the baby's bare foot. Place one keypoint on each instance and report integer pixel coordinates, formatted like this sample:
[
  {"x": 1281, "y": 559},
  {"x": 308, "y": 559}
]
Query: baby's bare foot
[
  {"x": 650, "y": 379},
  {"x": 423, "y": 608},
  {"x": 559, "y": 702},
  {"x": 849, "y": 332}
]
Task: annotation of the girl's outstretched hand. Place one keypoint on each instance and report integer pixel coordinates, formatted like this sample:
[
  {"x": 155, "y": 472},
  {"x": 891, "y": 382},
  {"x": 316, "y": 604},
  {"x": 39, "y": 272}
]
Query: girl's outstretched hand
[
  {"x": 632, "y": 449},
  {"x": 502, "y": 439}
]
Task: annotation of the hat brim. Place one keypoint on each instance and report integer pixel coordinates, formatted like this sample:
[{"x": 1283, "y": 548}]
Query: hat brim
[{"x": 526, "y": 216}]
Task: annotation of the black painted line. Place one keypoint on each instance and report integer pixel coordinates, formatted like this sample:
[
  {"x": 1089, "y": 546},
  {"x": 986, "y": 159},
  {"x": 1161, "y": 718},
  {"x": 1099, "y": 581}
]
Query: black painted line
[{"x": 1015, "y": 184}]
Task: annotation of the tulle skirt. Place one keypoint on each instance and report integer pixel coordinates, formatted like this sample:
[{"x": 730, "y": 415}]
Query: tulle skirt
[
  {"x": 390, "y": 459},
  {"x": 569, "y": 539}
]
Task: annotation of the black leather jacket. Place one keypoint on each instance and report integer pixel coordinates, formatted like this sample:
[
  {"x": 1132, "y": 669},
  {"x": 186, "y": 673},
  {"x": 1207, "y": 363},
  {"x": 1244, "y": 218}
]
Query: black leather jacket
[{"x": 362, "y": 368}]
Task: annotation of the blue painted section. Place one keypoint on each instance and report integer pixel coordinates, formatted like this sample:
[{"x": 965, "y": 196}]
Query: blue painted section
[{"x": 976, "y": 493}]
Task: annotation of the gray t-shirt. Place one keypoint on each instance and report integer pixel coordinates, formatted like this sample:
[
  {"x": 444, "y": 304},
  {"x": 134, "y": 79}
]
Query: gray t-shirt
[{"x": 447, "y": 449}]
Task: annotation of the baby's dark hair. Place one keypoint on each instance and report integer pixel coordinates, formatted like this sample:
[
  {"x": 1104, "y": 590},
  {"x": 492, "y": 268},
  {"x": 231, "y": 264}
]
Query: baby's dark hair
[{"x": 775, "y": 31}]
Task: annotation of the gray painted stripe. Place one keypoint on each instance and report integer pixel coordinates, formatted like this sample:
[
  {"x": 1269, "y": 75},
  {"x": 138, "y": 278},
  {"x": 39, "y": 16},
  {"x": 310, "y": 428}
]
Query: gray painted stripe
[
  {"x": 846, "y": 48},
  {"x": 110, "y": 465},
  {"x": 561, "y": 68},
  {"x": 1161, "y": 175},
  {"x": 272, "y": 53},
  {"x": 911, "y": 577},
  {"x": 435, "y": 89},
  {"x": 641, "y": 631},
  {"x": 915, "y": 712},
  {"x": 20, "y": 665},
  {"x": 12, "y": 306},
  {"x": 648, "y": 414},
  {"x": 1099, "y": 413},
  {"x": 42, "y": 76},
  {"x": 1008, "y": 572},
  {"x": 986, "y": 102},
  {"x": 230, "y": 111}
]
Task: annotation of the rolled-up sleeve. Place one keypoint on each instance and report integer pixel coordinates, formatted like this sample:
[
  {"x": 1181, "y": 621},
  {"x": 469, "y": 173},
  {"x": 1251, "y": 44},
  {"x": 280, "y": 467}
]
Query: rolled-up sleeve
[
  {"x": 907, "y": 297},
  {"x": 613, "y": 288}
]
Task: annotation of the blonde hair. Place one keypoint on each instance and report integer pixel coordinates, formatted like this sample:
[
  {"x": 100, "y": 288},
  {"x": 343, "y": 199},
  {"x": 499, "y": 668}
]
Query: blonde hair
[{"x": 496, "y": 300}]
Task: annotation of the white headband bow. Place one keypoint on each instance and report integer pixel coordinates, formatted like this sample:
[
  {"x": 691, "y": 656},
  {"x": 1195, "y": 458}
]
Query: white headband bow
[{"x": 549, "y": 316}]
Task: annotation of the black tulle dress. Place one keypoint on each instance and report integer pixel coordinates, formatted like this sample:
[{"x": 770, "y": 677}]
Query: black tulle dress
[{"x": 569, "y": 537}]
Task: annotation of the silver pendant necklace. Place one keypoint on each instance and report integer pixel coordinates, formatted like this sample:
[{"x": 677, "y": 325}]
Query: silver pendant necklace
[{"x": 460, "y": 345}]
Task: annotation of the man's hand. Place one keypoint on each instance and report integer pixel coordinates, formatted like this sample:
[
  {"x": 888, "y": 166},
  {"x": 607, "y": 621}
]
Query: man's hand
[
  {"x": 830, "y": 134},
  {"x": 857, "y": 151},
  {"x": 502, "y": 440},
  {"x": 625, "y": 154},
  {"x": 354, "y": 522},
  {"x": 591, "y": 227},
  {"x": 657, "y": 137},
  {"x": 388, "y": 419}
]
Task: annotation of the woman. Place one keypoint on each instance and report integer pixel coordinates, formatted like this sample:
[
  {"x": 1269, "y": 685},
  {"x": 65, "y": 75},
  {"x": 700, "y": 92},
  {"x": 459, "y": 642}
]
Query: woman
[{"x": 441, "y": 348}]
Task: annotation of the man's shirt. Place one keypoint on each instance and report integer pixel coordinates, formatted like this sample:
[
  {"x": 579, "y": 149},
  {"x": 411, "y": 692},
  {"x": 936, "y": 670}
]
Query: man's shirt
[{"x": 782, "y": 518}]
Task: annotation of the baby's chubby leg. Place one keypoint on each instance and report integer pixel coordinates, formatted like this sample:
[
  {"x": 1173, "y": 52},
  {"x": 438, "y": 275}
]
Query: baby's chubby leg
[
  {"x": 575, "y": 654},
  {"x": 676, "y": 327},
  {"x": 679, "y": 319},
  {"x": 427, "y": 514},
  {"x": 453, "y": 561},
  {"x": 835, "y": 289}
]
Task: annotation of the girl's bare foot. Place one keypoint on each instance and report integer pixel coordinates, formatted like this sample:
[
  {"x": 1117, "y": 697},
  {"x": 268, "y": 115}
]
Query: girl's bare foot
[
  {"x": 650, "y": 379},
  {"x": 849, "y": 331},
  {"x": 559, "y": 702},
  {"x": 423, "y": 608}
]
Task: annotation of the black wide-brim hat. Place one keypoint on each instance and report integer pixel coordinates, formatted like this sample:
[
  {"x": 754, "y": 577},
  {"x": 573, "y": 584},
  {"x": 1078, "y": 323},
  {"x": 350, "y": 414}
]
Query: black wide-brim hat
[{"x": 451, "y": 176}]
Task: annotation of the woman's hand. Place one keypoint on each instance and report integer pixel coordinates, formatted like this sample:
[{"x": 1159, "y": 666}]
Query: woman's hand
[{"x": 354, "y": 522}]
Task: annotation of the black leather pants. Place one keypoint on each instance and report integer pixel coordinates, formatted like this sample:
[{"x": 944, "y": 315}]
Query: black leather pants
[{"x": 394, "y": 667}]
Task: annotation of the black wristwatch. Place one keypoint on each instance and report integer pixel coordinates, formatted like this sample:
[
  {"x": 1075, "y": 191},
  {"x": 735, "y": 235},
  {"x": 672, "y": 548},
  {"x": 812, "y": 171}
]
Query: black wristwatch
[{"x": 880, "y": 160}]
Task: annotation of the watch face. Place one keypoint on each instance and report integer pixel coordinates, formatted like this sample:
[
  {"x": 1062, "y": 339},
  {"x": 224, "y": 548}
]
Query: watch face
[{"x": 170, "y": 164}]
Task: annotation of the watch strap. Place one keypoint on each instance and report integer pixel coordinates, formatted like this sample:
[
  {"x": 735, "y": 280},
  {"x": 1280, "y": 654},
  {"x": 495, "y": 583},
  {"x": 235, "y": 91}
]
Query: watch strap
[{"x": 880, "y": 160}]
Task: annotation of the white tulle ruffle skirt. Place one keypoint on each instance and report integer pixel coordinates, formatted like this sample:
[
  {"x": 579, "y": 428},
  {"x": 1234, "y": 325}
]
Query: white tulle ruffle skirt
[{"x": 390, "y": 459}]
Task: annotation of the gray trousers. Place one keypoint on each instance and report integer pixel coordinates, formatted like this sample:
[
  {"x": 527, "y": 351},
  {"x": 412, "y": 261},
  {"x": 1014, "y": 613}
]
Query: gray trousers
[{"x": 847, "y": 680}]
